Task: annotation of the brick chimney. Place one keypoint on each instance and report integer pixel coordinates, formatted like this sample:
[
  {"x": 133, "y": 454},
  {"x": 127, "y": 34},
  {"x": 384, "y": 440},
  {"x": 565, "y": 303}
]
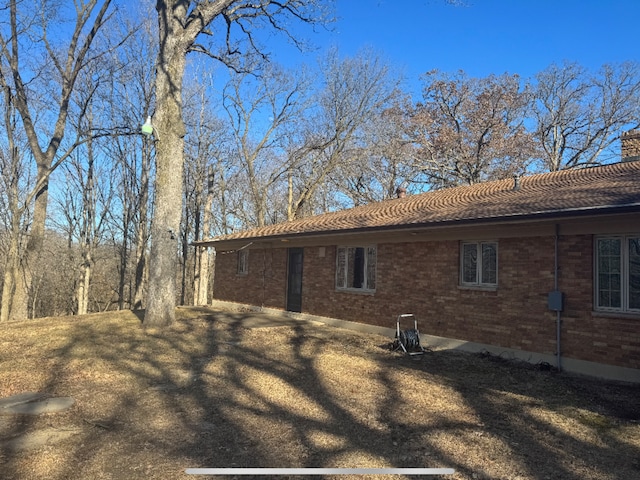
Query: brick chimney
[{"x": 630, "y": 145}]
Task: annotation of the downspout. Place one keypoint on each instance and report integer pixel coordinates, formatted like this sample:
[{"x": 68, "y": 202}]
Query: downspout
[{"x": 558, "y": 311}]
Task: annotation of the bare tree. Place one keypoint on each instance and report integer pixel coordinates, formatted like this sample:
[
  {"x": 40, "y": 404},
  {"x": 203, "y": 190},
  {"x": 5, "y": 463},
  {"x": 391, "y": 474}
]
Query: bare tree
[
  {"x": 132, "y": 98},
  {"x": 86, "y": 206},
  {"x": 355, "y": 92},
  {"x": 129, "y": 219},
  {"x": 202, "y": 270},
  {"x": 206, "y": 144},
  {"x": 54, "y": 287},
  {"x": 386, "y": 159},
  {"x": 66, "y": 62},
  {"x": 15, "y": 174},
  {"x": 579, "y": 115},
  {"x": 471, "y": 129},
  {"x": 181, "y": 23},
  {"x": 260, "y": 109}
]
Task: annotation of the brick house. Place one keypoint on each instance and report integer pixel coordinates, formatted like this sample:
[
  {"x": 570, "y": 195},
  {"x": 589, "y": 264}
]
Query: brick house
[{"x": 523, "y": 267}]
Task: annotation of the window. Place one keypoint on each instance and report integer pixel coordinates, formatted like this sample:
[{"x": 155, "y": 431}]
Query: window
[
  {"x": 243, "y": 262},
  {"x": 618, "y": 273},
  {"x": 479, "y": 263},
  {"x": 356, "y": 268}
]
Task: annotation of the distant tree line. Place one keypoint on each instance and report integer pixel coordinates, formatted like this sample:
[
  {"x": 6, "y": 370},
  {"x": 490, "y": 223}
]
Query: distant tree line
[{"x": 263, "y": 145}]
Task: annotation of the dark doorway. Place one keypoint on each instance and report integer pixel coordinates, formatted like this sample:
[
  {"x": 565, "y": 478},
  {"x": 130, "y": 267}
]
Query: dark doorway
[{"x": 294, "y": 280}]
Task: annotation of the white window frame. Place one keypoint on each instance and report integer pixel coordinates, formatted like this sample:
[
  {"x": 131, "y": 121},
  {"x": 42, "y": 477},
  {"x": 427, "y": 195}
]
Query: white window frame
[
  {"x": 242, "y": 267},
  {"x": 368, "y": 268},
  {"x": 478, "y": 281},
  {"x": 624, "y": 270}
]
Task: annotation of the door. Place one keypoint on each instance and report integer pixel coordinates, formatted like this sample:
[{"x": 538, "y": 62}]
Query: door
[{"x": 294, "y": 280}]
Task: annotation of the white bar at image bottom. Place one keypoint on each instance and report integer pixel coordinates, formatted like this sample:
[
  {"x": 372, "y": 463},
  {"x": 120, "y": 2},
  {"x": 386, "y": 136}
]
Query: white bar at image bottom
[{"x": 319, "y": 471}]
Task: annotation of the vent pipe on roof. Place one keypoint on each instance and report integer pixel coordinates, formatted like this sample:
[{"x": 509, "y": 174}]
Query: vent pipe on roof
[
  {"x": 516, "y": 182},
  {"x": 401, "y": 192}
]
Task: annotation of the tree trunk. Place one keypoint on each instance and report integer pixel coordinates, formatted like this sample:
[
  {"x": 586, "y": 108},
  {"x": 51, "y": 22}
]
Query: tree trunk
[
  {"x": 289, "y": 195},
  {"x": 142, "y": 233},
  {"x": 202, "y": 285},
  {"x": 83, "y": 284},
  {"x": 15, "y": 299},
  {"x": 197, "y": 215},
  {"x": 76, "y": 56},
  {"x": 179, "y": 23},
  {"x": 185, "y": 257},
  {"x": 33, "y": 250},
  {"x": 13, "y": 265},
  {"x": 169, "y": 132},
  {"x": 11, "y": 277},
  {"x": 124, "y": 258},
  {"x": 14, "y": 255},
  {"x": 141, "y": 273}
]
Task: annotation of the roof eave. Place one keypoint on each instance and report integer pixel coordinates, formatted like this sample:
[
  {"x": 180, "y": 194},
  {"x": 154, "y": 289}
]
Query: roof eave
[{"x": 513, "y": 218}]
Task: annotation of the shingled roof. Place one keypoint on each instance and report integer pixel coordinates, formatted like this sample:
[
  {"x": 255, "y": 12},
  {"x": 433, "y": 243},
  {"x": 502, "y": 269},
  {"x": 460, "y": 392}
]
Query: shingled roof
[{"x": 593, "y": 190}]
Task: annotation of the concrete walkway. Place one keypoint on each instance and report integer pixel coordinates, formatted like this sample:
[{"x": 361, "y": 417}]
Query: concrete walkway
[{"x": 35, "y": 403}]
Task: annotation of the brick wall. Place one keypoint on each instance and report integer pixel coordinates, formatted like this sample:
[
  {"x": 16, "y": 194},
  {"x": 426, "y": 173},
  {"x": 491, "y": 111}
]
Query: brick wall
[
  {"x": 265, "y": 284},
  {"x": 422, "y": 278},
  {"x": 598, "y": 337}
]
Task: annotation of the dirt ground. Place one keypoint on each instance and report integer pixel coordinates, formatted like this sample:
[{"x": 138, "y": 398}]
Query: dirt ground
[{"x": 210, "y": 392}]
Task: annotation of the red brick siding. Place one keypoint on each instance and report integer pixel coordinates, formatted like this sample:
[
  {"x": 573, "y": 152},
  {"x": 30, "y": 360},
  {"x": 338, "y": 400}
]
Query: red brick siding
[
  {"x": 423, "y": 278},
  {"x": 264, "y": 285},
  {"x": 585, "y": 335}
]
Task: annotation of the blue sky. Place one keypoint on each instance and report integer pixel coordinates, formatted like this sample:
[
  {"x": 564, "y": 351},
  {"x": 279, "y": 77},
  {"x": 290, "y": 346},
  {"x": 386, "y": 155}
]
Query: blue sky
[{"x": 484, "y": 36}]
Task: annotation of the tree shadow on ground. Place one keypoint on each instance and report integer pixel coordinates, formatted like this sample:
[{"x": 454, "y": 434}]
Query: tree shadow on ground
[
  {"x": 516, "y": 402},
  {"x": 245, "y": 390}
]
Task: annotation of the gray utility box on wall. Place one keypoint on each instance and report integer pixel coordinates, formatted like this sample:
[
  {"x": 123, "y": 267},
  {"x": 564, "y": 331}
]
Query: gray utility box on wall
[{"x": 555, "y": 301}]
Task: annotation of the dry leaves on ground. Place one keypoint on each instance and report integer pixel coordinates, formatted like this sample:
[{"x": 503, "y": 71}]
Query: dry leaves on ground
[{"x": 212, "y": 392}]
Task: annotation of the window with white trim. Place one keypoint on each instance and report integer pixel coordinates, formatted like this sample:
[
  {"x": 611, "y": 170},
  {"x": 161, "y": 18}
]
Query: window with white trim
[
  {"x": 479, "y": 264},
  {"x": 617, "y": 272},
  {"x": 356, "y": 268},
  {"x": 243, "y": 262}
]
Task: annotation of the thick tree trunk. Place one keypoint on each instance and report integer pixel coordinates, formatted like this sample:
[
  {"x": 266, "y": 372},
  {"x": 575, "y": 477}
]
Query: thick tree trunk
[
  {"x": 18, "y": 276},
  {"x": 169, "y": 132},
  {"x": 179, "y": 23},
  {"x": 33, "y": 251}
]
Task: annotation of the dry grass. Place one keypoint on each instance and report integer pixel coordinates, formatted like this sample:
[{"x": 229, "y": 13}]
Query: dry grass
[{"x": 210, "y": 393}]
